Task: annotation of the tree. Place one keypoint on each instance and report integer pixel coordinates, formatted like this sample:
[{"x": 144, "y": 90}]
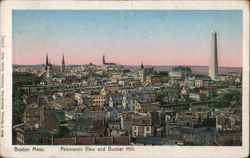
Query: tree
[
  {"x": 232, "y": 98},
  {"x": 64, "y": 132},
  {"x": 168, "y": 96},
  {"x": 18, "y": 105},
  {"x": 165, "y": 79}
]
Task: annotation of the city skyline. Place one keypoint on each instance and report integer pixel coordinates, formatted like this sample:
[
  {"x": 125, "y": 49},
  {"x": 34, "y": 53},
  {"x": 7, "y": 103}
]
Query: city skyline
[{"x": 157, "y": 32}]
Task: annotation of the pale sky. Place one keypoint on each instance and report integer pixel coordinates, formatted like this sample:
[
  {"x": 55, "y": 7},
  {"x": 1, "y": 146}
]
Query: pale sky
[{"x": 128, "y": 37}]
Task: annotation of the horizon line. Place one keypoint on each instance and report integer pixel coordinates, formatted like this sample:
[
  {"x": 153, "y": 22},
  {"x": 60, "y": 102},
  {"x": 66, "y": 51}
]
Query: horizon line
[{"x": 130, "y": 65}]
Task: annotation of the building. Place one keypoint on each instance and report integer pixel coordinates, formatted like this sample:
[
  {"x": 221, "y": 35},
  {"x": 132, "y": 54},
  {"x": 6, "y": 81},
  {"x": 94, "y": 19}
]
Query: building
[
  {"x": 142, "y": 126},
  {"x": 48, "y": 70},
  {"x": 126, "y": 121},
  {"x": 195, "y": 96},
  {"x": 28, "y": 135},
  {"x": 63, "y": 64},
  {"x": 142, "y": 66},
  {"x": 232, "y": 87},
  {"x": 98, "y": 100},
  {"x": 229, "y": 138},
  {"x": 180, "y": 72},
  {"x": 199, "y": 83},
  {"x": 145, "y": 108},
  {"x": 213, "y": 67},
  {"x": 153, "y": 79},
  {"x": 106, "y": 63},
  {"x": 22, "y": 77},
  {"x": 118, "y": 140},
  {"x": 103, "y": 59},
  {"x": 34, "y": 114},
  {"x": 145, "y": 72},
  {"x": 198, "y": 136}
]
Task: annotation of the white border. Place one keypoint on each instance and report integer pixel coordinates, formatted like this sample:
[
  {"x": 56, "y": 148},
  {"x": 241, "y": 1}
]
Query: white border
[{"x": 7, "y": 149}]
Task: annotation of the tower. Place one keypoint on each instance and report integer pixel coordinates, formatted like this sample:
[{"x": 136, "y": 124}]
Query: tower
[
  {"x": 47, "y": 60},
  {"x": 63, "y": 64},
  {"x": 103, "y": 59},
  {"x": 213, "y": 66},
  {"x": 142, "y": 66}
]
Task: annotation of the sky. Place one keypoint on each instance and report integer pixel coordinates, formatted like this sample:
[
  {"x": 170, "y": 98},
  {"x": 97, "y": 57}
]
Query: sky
[{"x": 127, "y": 37}]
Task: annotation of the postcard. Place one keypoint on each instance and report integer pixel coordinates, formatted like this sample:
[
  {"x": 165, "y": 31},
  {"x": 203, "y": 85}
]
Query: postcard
[{"x": 124, "y": 79}]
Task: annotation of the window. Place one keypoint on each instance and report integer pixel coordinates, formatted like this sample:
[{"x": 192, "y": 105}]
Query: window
[{"x": 147, "y": 128}]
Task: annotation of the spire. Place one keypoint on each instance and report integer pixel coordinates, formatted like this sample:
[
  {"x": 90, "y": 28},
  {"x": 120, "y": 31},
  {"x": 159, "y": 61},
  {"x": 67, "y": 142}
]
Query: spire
[
  {"x": 47, "y": 60},
  {"x": 63, "y": 64},
  {"x": 103, "y": 59},
  {"x": 142, "y": 66}
]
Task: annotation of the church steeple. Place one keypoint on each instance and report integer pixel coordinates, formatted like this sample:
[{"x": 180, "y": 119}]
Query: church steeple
[
  {"x": 142, "y": 66},
  {"x": 103, "y": 59},
  {"x": 63, "y": 64},
  {"x": 47, "y": 60}
]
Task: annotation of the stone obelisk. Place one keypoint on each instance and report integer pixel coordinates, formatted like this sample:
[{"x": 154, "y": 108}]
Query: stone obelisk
[{"x": 213, "y": 67}]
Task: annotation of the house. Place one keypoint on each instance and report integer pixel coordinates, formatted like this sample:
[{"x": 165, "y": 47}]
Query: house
[
  {"x": 29, "y": 99},
  {"x": 173, "y": 131},
  {"x": 112, "y": 113},
  {"x": 190, "y": 82},
  {"x": 73, "y": 115},
  {"x": 145, "y": 108},
  {"x": 126, "y": 121},
  {"x": 228, "y": 121},
  {"x": 51, "y": 121},
  {"x": 98, "y": 100},
  {"x": 113, "y": 99},
  {"x": 34, "y": 114},
  {"x": 98, "y": 127},
  {"x": 109, "y": 89},
  {"x": 195, "y": 96},
  {"x": 232, "y": 87},
  {"x": 229, "y": 138},
  {"x": 187, "y": 119},
  {"x": 208, "y": 83},
  {"x": 199, "y": 83},
  {"x": 147, "y": 97},
  {"x": 118, "y": 132},
  {"x": 95, "y": 112},
  {"x": 27, "y": 134},
  {"x": 132, "y": 99},
  {"x": 153, "y": 79},
  {"x": 114, "y": 124},
  {"x": 142, "y": 126},
  {"x": 82, "y": 127},
  {"x": 222, "y": 77},
  {"x": 198, "y": 136}
]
